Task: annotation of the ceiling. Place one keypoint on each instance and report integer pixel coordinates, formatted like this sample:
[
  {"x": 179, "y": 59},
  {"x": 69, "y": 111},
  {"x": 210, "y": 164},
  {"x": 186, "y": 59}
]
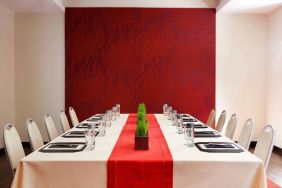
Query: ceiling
[
  {"x": 142, "y": 3},
  {"x": 224, "y": 6},
  {"x": 31, "y": 5},
  {"x": 251, "y": 6}
]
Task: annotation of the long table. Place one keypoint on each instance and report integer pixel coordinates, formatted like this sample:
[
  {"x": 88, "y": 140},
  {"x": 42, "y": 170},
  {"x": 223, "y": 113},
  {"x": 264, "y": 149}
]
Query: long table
[
  {"x": 191, "y": 167},
  {"x": 197, "y": 169}
]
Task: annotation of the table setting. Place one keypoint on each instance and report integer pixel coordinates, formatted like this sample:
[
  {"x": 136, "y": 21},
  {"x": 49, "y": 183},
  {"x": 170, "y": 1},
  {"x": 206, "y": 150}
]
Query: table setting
[{"x": 180, "y": 151}]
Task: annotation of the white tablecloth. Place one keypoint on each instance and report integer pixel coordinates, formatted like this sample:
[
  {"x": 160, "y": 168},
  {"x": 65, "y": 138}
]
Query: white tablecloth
[
  {"x": 66, "y": 170},
  {"x": 197, "y": 169},
  {"x": 191, "y": 167}
]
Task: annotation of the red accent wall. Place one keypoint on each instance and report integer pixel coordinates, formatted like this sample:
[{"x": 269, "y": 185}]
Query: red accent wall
[{"x": 134, "y": 55}]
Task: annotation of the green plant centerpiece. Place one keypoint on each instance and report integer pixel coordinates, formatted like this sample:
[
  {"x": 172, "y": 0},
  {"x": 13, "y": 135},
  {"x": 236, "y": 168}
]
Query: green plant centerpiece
[{"x": 141, "y": 135}]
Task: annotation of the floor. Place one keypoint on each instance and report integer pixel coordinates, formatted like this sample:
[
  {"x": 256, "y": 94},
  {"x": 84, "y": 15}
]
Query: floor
[
  {"x": 6, "y": 175},
  {"x": 274, "y": 171}
]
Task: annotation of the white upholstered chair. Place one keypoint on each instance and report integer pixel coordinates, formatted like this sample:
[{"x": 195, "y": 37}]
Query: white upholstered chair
[
  {"x": 211, "y": 118},
  {"x": 73, "y": 116},
  {"x": 221, "y": 121},
  {"x": 231, "y": 127},
  {"x": 264, "y": 145},
  {"x": 34, "y": 135},
  {"x": 13, "y": 146},
  {"x": 51, "y": 127},
  {"x": 64, "y": 121},
  {"x": 246, "y": 134}
]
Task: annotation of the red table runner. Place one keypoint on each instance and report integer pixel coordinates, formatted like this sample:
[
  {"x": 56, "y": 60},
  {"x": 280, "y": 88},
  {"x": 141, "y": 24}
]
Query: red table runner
[{"x": 131, "y": 168}]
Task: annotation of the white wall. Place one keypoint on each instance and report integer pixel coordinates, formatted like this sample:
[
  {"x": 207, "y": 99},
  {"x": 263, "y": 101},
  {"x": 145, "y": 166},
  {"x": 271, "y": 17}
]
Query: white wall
[
  {"x": 7, "y": 69},
  {"x": 274, "y": 74},
  {"x": 39, "y": 68},
  {"x": 241, "y": 68}
]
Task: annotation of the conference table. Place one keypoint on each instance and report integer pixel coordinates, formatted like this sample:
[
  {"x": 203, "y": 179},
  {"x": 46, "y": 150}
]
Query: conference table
[{"x": 115, "y": 163}]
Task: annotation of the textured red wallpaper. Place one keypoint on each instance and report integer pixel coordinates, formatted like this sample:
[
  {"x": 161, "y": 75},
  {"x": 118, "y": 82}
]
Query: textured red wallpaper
[{"x": 134, "y": 55}]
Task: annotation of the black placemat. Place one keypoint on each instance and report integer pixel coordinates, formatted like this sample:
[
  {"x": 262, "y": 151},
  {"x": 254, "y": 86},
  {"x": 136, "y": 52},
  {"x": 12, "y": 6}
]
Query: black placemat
[
  {"x": 189, "y": 120},
  {"x": 185, "y": 115},
  {"x": 95, "y": 118},
  {"x": 208, "y": 134},
  {"x": 73, "y": 134},
  {"x": 43, "y": 150},
  {"x": 85, "y": 125},
  {"x": 197, "y": 125},
  {"x": 237, "y": 149}
]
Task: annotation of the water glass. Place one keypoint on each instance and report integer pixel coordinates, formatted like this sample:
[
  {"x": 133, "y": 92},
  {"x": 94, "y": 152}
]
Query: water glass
[
  {"x": 189, "y": 134},
  {"x": 114, "y": 114},
  {"x": 169, "y": 109},
  {"x": 102, "y": 126},
  {"x": 165, "y": 109},
  {"x": 90, "y": 137},
  {"x": 174, "y": 117},
  {"x": 108, "y": 118},
  {"x": 111, "y": 115},
  {"x": 118, "y": 109},
  {"x": 179, "y": 123}
]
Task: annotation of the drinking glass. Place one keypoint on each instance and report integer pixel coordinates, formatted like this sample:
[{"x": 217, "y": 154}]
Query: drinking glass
[
  {"x": 102, "y": 126},
  {"x": 185, "y": 135},
  {"x": 169, "y": 112},
  {"x": 174, "y": 117},
  {"x": 165, "y": 109},
  {"x": 108, "y": 118},
  {"x": 189, "y": 134},
  {"x": 114, "y": 113},
  {"x": 179, "y": 123},
  {"x": 118, "y": 109},
  {"x": 90, "y": 137},
  {"x": 111, "y": 115}
]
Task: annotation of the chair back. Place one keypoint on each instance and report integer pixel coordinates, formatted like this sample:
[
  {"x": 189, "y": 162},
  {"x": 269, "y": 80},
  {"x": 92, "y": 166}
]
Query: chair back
[
  {"x": 221, "y": 121},
  {"x": 13, "y": 146},
  {"x": 264, "y": 145},
  {"x": 231, "y": 127},
  {"x": 73, "y": 116},
  {"x": 246, "y": 134},
  {"x": 211, "y": 118},
  {"x": 64, "y": 121},
  {"x": 51, "y": 127},
  {"x": 34, "y": 135}
]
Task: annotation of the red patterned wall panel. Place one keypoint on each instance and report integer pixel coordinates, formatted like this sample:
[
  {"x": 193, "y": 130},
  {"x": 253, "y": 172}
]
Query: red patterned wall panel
[{"x": 134, "y": 55}]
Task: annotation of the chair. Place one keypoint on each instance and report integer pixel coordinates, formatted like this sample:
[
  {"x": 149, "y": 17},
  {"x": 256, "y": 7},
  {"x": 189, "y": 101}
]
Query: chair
[
  {"x": 64, "y": 121},
  {"x": 246, "y": 134},
  {"x": 51, "y": 127},
  {"x": 211, "y": 119},
  {"x": 34, "y": 135},
  {"x": 231, "y": 126},
  {"x": 13, "y": 146},
  {"x": 73, "y": 116},
  {"x": 264, "y": 145},
  {"x": 220, "y": 121}
]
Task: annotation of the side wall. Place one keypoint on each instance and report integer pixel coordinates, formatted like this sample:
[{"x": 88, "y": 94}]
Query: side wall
[
  {"x": 241, "y": 68},
  {"x": 40, "y": 67},
  {"x": 274, "y": 74},
  {"x": 7, "y": 69}
]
